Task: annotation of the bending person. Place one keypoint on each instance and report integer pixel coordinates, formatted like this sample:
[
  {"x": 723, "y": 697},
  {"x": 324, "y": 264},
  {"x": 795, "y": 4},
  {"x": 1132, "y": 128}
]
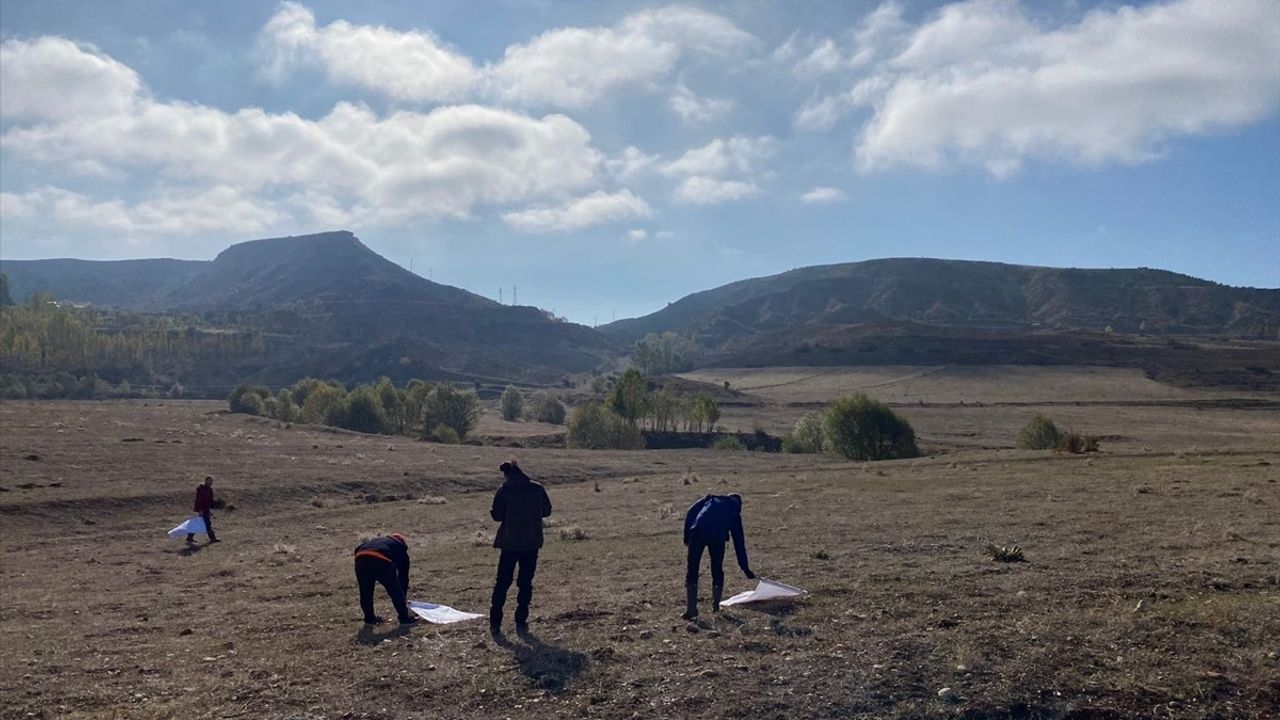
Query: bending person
[
  {"x": 385, "y": 560},
  {"x": 520, "y": 504},
  {"x": 708, "y": 525}
]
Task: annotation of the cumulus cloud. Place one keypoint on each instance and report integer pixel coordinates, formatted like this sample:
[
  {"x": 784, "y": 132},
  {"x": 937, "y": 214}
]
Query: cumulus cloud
[
  {"x": 720, "y": 171},
  {"x": 55, "y": 78},
  {"x": 696, "y": 110},
  {"x": 982, "y": 82},
  {"x": 404, "y": 65},
  {"x": 349, "y": 163},
  {"x": 570, "y": 67},
  {"x": 635, "y": 235},
  {"x": 632, "y": 163},
  {"x": 51, "y": 211},
  {"x": 822, "y": 195},
  {"x": 594, "y": 209}
]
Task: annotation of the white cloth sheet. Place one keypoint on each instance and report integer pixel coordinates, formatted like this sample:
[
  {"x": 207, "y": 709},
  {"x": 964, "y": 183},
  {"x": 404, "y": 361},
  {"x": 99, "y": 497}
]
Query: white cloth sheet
[
  {"x": 766, "y": 590},
  {"x": 440, "y": 614},
  {"x": 194, "y": 525}
]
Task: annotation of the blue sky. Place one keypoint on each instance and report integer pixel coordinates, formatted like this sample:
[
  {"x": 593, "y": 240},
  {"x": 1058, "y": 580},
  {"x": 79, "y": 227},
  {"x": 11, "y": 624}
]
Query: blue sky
[{"x": 608, "y": 158}]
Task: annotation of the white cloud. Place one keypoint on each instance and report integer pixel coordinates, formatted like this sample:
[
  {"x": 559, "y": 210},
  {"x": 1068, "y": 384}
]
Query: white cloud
[
  {"x": 411, "y": 65},
  {"x": 54, "y": 78},
  {"x": 663, "y": 235},
  {"x": 50, "y": 211},
  {"x": 822, "y": 194},
  {"x": 631, "y": 163},
  {"x": 738, "y": 154},
  {"x": 636, "y": 235},
  {"x": 699, "y": 190},
  {"x": 569, "y": 67},
  {"x": 983, "y": 83},
  {"x": 347, "y": 164},
  {"x": 696, "y": 110},
  {"x": 720, "y": 171},
  {"x": 594, "y": 209}
]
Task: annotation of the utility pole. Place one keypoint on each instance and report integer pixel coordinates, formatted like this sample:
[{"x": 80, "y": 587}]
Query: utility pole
[
  {"x": 410, "y": 264},
  {"x": 499, "y": 296},
  {"x": 514, "y": 296}
]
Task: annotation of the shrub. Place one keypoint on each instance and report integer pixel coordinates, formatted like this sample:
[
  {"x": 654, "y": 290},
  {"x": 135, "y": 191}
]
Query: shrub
[
  {"x": 806, "y": 436},
  {"x": 1039, "y": 434},
  {"x": 704, "y": 413},
  {"x": 449, "y": 406},
  {"x": 248, "y": 399},
  {"x": 320, "y": 401},
  {"x": 1010, "y": 554},
  {"x": 727, "y": 442},
  {"x": 549, "y": 410},
  {"x": 860, "y": 428},
  {"x": 362, "y": 411},
  {"x": 511, "y": 403},
  {"x": 594, "y": 427},
  {"x": 445, "y": 434},
  {"x": 573, "y": 532},
  {"x": 1075, "y": 443}
]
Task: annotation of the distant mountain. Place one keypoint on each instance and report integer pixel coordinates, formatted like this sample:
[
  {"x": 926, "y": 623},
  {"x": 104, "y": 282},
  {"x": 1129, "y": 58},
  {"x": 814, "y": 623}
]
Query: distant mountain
[
  {"x": 961, "y": 294},
  {"x": 109, "y": 283},
  {"x": 354, "y": 314}
]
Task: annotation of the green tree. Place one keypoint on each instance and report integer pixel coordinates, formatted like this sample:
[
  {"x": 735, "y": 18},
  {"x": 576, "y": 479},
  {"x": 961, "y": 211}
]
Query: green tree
[
  {"x": 320, "y": 401},
  {"x": 415, "y": 399},
  {"x": 630, "y": 396},
  {"x": 394, "y": 405},
  {"x": 860, "y": 428},
  {"x": 806, "y": 436},
  {"x": 248, "y": 399},
  {"x": 548, "y": 409},
  {"x": 511, "y": 403},
  {"x": 5, "y": 298},
  {"x": 361, "y": 411},
  {"x": 706, "y": 412},
  {"x": 596, "y": 427},
  {"x": 449, "y": 406},
  {"x": 666, "y": 353}
]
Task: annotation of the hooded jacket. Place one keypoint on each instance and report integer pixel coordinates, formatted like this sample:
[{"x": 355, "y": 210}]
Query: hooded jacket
[
  {"x": 715, "y": 518},
  {"x": 520, "y": 504},
  {"x": 388, "y": 548}
]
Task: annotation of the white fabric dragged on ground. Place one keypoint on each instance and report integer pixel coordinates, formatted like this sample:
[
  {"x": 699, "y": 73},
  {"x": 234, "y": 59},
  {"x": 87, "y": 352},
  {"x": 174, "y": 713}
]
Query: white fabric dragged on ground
[
  {"x": 190, "y": 527},
  {"x": 766, "y": 590},
  {"x": 440, "y": 614}
]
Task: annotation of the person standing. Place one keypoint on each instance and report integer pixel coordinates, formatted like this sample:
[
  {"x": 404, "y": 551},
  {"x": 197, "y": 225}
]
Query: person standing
[
  {"x": 204, "y": 508},
  {"x": 707, "y": 526},
  {"x": 520, "y": 505},
  {"x": 384, "y": 559}
]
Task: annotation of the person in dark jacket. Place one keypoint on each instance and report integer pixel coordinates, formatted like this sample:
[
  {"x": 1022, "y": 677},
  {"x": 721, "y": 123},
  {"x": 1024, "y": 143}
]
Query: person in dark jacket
[
  {"x": 708, "y": 525},
  {"x": 520, "y": 504},
  {"x": 204, "y": 508},
  {"x": 384, "y": 560}
]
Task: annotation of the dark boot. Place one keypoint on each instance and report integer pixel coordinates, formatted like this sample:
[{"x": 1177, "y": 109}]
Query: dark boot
[
  {"x": 717, "y": 591},
  {"x": 690, "y": 602},
  {"x": 495, "y": 619}
]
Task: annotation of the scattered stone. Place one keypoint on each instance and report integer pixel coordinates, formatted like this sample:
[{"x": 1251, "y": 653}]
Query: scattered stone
[
  {"x": 646, "y": 634},
  {"x": 693, "y": 627},
  {"x": 948, "y": 695},
  {"x": 33, "y": 457},
  {"x": 185, "y": 631}
]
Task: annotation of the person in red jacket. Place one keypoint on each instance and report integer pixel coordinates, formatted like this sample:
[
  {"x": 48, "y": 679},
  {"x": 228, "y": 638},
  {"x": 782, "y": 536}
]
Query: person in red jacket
[{"x": 204, "y": 508}]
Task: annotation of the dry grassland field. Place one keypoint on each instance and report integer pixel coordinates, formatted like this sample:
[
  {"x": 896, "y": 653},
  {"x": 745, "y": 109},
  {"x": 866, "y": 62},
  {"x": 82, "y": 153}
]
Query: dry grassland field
[{"x": 1152, "y": 587}]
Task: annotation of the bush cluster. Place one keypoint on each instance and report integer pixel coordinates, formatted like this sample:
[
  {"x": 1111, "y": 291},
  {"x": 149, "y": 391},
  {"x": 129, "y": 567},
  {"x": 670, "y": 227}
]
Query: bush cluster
[
  {"x": 417, "y": 408},
  {"x": 596, "y": 427},
  {"x": 855, "y": 427}
]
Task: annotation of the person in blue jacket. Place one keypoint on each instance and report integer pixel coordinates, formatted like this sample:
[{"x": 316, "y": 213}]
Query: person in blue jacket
[{"x": 708, "y": 525}]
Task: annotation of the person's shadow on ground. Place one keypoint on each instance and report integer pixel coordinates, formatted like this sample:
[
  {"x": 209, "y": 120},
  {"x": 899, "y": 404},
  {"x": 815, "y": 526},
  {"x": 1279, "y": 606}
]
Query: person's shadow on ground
[
  {"x": 369, "y": 635},
  {"x": 551, "y": 668},
  {"x": 187, "y": 550}
]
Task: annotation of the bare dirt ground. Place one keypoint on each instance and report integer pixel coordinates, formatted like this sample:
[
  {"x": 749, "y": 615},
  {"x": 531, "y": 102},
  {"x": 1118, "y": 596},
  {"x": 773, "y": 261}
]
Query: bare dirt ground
[{"x": 1152, "y": 587}]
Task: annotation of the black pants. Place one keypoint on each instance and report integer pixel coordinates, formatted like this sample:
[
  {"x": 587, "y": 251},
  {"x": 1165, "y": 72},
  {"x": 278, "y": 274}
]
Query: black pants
[
  {"x": 507, "y": 562},
  {"x": 208, "y": 525},
  {"x": 714, "y": 548},
  {"x": 371, "y": 570}
]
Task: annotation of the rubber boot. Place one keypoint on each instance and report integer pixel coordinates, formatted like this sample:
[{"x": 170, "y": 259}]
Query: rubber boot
[
  {"x": 717, "y": 592},
  {"x": 690, "y": 602},
  {"x": 495, "y": 620}
]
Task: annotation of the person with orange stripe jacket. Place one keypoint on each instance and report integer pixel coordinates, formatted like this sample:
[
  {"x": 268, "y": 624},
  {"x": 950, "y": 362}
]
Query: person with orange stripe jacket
[{"x": 385, "y": 560}]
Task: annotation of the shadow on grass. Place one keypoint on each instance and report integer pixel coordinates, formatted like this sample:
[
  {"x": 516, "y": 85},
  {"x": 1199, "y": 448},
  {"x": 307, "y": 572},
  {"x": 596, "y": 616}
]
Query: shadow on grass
[
  {"x": 550, "y": 667},
  {"x": 187, "y": 550},
  {"x": 370, "y": 636}
]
